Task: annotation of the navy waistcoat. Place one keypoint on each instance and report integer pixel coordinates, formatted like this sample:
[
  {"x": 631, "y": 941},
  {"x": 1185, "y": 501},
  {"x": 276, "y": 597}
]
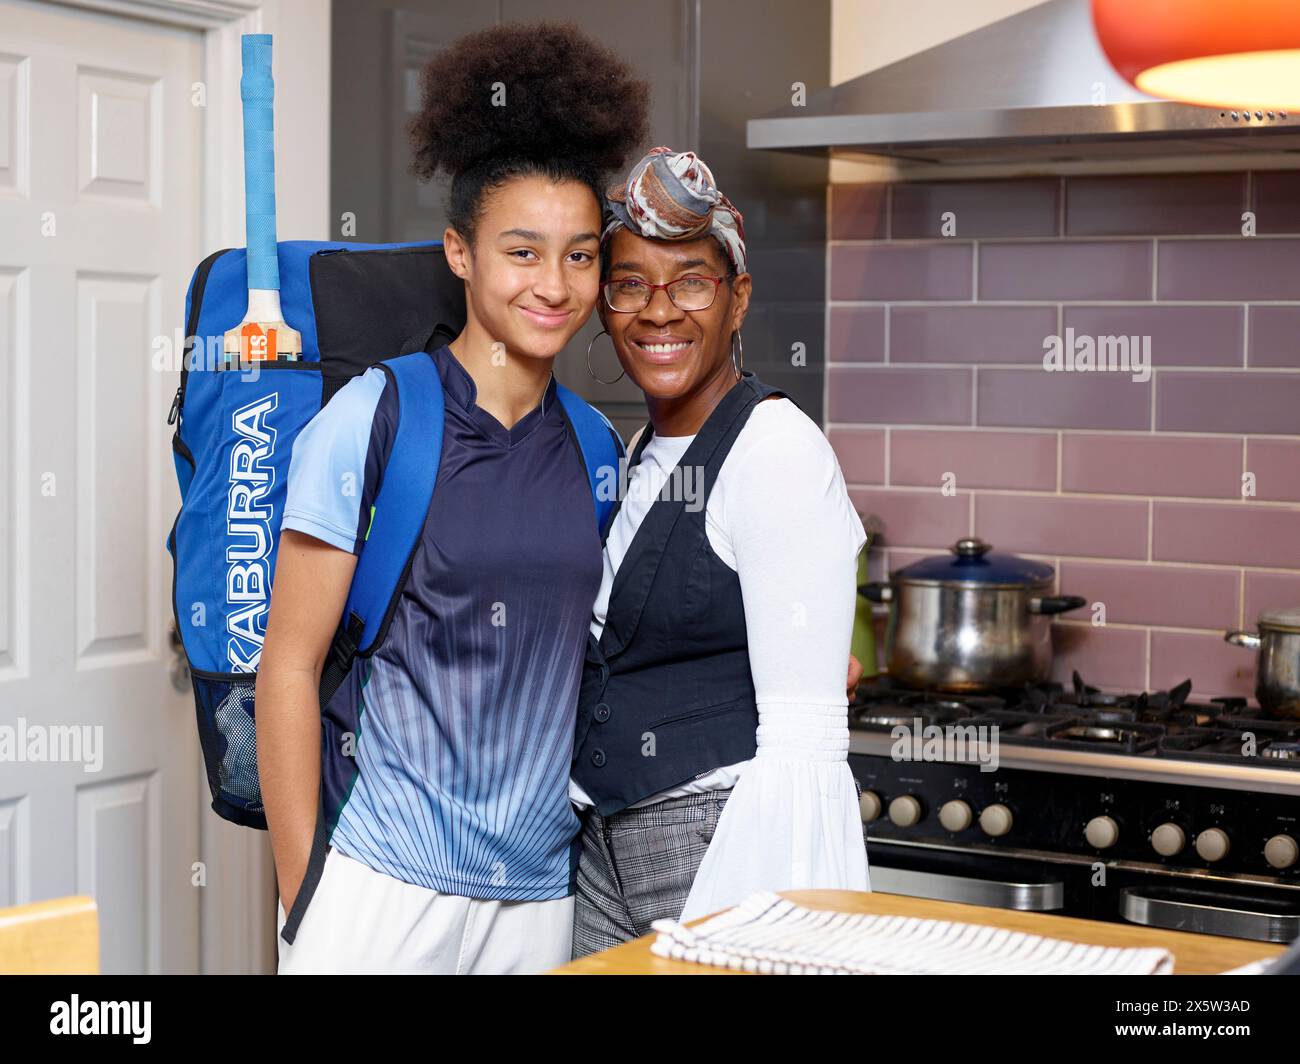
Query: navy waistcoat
[{"x": 666, "y": 691}]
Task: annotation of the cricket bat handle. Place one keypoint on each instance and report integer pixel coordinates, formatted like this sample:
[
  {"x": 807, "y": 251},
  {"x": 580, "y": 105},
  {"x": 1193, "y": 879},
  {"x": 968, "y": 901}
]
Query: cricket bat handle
[{"x": 257, "y": 90}]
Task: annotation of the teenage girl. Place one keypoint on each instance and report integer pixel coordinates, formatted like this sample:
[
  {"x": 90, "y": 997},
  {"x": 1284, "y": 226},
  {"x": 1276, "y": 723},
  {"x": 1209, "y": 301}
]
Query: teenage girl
[{"x": 452, "y": 851}]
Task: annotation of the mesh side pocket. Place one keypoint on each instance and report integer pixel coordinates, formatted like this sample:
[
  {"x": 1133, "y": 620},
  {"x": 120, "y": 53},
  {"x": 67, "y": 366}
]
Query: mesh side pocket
[{"x": 224, "y": 704}]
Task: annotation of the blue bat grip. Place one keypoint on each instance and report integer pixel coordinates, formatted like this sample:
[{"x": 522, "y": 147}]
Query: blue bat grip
[{"x": 257, "y": 90}]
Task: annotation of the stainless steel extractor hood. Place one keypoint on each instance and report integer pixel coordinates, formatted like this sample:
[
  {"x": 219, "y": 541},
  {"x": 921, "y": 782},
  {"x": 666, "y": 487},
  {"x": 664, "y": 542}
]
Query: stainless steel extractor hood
[{"x": 1033, "y": 86}]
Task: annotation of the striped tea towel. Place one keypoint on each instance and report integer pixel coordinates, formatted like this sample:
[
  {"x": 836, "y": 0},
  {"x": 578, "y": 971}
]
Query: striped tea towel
[{"x": 773, "y": 936}]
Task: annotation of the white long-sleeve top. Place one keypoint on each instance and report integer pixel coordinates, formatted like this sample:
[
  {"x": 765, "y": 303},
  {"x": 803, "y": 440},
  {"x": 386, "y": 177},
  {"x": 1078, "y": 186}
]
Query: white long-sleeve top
[{"x": 780, "y": 516}]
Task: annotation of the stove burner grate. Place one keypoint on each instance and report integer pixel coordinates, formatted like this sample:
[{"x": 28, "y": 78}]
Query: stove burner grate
[{"x": 1159, "y": 723}]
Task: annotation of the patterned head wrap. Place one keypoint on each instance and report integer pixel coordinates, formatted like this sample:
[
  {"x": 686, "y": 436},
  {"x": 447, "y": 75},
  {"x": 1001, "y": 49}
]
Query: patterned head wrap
[{"x": 672, "y": 196}]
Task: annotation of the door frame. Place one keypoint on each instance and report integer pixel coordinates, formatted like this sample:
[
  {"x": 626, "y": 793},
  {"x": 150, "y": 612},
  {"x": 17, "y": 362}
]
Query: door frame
[{"x": 237, "y": 908}]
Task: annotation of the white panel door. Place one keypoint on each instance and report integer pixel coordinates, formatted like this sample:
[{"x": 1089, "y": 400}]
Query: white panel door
[{"x": 99, "y": 212}]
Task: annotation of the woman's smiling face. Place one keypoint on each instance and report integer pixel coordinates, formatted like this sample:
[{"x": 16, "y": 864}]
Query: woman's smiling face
[
  {"x": 667, "y": 351},
  {"x": 534, "y": 273}
]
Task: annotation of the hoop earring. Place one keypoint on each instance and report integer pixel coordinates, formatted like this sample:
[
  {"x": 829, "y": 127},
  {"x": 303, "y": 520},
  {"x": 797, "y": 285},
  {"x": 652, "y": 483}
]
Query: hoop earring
[
  {"x": 736, "y": 342},
  {"x": 592, "y": 371}
]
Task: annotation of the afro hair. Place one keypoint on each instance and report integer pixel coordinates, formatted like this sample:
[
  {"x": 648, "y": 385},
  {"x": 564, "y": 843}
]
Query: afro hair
[{"x": 525, "y": 98}]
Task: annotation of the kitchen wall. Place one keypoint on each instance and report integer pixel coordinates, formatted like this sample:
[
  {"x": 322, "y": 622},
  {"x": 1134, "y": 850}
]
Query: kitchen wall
[
  {"x": 1175, "y": 501},
  {"x": 1134, "y": 491}
]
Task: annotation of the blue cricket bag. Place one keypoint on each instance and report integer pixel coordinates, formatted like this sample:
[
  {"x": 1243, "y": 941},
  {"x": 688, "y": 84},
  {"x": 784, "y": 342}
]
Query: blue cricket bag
[{"x": 356, "y": 305}]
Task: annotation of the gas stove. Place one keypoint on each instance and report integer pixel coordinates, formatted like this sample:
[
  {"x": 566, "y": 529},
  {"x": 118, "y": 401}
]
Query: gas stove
[{"x": 1149, "y": 808}]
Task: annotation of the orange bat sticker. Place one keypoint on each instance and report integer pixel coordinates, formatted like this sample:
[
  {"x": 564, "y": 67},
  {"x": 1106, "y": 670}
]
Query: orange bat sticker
[{"x": 256, "y": 345}]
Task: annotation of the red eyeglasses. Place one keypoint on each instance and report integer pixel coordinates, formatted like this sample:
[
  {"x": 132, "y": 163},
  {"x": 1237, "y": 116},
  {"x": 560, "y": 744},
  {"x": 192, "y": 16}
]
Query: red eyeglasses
[{"x": 692, "y": 292}]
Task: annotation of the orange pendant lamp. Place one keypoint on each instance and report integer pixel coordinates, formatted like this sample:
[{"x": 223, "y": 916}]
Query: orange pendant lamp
[{"x": 1242, "y": 54}]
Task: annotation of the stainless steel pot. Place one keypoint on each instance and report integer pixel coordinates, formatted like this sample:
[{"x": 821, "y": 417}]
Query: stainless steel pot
[
  {"x": 1277, "y": 667},
  {"x": 971, "y": 621}
]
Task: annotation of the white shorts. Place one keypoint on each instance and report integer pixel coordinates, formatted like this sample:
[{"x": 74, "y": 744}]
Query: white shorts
[{"x": 360, "y": 920}]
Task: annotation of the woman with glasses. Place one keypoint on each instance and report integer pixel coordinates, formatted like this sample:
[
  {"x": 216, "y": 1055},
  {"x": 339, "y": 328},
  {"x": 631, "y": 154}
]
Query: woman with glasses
[{"x": 711, "y": 751}]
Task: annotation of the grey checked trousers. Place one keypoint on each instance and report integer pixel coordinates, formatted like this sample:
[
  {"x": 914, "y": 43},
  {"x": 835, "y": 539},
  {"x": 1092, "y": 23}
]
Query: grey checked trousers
[{"x": 637, "y": 866}]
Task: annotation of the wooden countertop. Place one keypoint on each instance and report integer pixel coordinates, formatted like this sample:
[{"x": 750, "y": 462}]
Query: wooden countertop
[{"x": 1193, "y": 954}]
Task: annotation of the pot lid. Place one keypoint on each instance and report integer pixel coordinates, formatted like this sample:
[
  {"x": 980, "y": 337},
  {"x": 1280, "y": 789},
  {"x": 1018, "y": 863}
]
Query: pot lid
[
  {"x": 972, "y": 561},
  {"x": 1286, "y": 620}
]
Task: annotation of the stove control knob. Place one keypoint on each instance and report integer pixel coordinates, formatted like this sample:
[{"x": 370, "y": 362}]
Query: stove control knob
[
  {"x": 1281, "y": 851},
  {"x": 956, "y": 815},
  {"x": 1102, "y": 832},
  {"x": 1212, "y": 844},
  {"x": 996, "y": 820},
  {"x": 1168, "y": 840},
  {"x": 905, "y": 811},
  {"x": 869, "y": 806}
]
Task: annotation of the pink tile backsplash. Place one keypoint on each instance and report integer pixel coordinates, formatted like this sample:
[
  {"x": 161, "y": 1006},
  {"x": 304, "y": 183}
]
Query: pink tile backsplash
[
  {"x": 1216, "y": 668},
  {"x": 1133, "y": 490},
  {"x": 1002, "y": 207},
  {"x": 923, "y": 458},
  {"x": 901, "y": 271},
  {"x": 1276, "y": 465},
  {"x": 1033, "y": 398},
  {"x": 1276, "y": 201},
  {"x": 917, "y": 518},
  {"x": 859, "y": 212},
  {"x": 1151, "y": 464},
  {"x": 861, "y": 453},
  {"x": 857, "y": 334},
  {"x": 1180, "y": 334},
  {"x": 1133, "y": 593},
  {"x": 895, "y": 394},
  {"x": 1268, "y": 591},
  {"x": 1088, "y": 269},
  {"x": 1232, "y": 401},
  {"x": 1248, "y": 268},
  {"x": 1106, "y": 657},
  {"x": 968, "y": 333},
  {"x": 1244, "y": 533},
  {"x": 1063, "y": 524},
  {"x": 1274, "y": 337},
  {"x": 1155, "y": 204}
]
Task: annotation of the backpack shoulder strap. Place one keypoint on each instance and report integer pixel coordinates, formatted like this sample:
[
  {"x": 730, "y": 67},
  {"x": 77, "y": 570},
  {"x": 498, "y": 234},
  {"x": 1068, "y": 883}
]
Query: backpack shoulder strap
[
  {"x": 397, "y": 517},
  {"x": 601, "y": 451},
  {"x": 405, "y": 492}
]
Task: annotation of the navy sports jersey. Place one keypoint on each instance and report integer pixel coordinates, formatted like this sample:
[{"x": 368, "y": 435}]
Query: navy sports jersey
[{"x": 467, "y": 710}]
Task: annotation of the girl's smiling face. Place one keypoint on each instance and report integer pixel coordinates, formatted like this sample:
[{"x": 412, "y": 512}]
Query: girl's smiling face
[
  {"x": 667, "y": 351},
  {"x": 533, "y": 272}
]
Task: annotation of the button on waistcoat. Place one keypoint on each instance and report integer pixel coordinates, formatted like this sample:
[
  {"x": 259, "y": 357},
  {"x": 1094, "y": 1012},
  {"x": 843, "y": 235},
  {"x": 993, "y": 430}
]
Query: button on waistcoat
[{"x": 666, "y": 691}]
